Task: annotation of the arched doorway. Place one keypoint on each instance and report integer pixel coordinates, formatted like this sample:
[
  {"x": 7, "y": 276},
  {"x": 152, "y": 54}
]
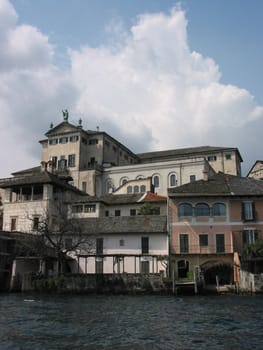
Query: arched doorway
[{"x": 217, "y": 272}]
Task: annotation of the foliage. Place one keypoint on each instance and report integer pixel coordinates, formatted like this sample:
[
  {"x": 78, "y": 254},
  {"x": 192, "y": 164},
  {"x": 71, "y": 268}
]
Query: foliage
[
  {"x": 149, "y": 209},
  {"x": 254, "y": 250}
]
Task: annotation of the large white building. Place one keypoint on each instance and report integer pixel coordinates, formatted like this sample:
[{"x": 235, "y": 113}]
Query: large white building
[{"x": 99, "y": 164}]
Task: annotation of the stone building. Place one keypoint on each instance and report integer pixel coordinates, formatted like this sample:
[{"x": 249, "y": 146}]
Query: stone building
[{"x": 99, "y": 164}]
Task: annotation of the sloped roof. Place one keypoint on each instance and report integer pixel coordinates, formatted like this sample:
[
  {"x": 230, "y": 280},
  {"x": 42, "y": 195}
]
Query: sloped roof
[
  {"x": 251, "y": 171},
  {"x": 185, "y": 152},
  {"x": 152, "y": 197},
  {"x": 140, "y": 224},
  {"x": 120, "y": 199},
  {"x": 220, "y": 184},
  {"x": 40, "y": 178},
  {"x": 68, "y": 127}
]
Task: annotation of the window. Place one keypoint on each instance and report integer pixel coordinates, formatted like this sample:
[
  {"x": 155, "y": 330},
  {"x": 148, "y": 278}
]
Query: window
[
  {"x": 184, "y": 244},
  {"x": 129, "y": 189},
  {"x": 145, "y": 267},
  {"x": 35, "y": 223},
  {"x": 248, "y": 209},
  {"x": 114, "y": 148},
  {"x": 107, "y": 143},
  {"x": 145, "y": 245},
  {"x": 77, "y": 208},
  {"x": 13, "y": 224},
  {"x": 132, "y": 212},
  {"x": 136, "y": 189},
  {"x": 122, "y": 242},
  {"x": 192, "y": 178},
  {"x": 220, "y": 243},
  {"x": 93, "y": 142},
  {"x": 219, "y": 209},
  {"x": 53, "y": 141},
  {"x": 117, "y": 212},
  {"x": 185, "y": 209},
  {"x": 228, "y": 156},
  {"x": 107, "y": 213},
  {"x": 84, "y": 186},
  {"x": 89, "y": 208},
  {"x": 83, "y": 140},
  {"x": 74, "y": 138},
  {"x": 99, "y": 266},
  {"x": 203, "y": 240},
  {"x": 123, "y": 181},
  {"x": 156, "y": 181},
  {"x": 143, "y": 189},
  {"x": 62, "y": 163},
  {"x": 250, "y": 236},
  {"x": 172, "y": 180},
  {"x": 63, "y": 139},
  {"x": 71, "y": 160},
  {"x": 211, "y": 158},
  {"x": 202, "y": 209},
  {"x": 68, "y": 243},
  {"x": 99, "y": 246},
  {"x": 54, "y": 161}
]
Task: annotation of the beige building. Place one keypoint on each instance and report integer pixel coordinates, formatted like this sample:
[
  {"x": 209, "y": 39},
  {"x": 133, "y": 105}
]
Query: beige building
[{"x": 99, "y": 164}]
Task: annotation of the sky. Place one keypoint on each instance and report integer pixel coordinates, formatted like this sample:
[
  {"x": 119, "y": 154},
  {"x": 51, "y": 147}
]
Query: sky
[{"x": 154, "y": 74}]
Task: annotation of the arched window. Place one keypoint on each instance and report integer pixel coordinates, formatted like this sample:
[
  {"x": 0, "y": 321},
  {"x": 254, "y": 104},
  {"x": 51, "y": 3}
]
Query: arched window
[
  {"x": 123, "y": 181},
  {"x": 185, "y": 209},
  {"x": 172, "y": 180},
  {"x": 202, "y": 209},
  {"x": 156, "y": 181},
  {"x": 219, "y": 209},
  {"x": 143, "y": 188},
  {"x": 136, "y": 189},
  {"x": 129, "y": 189},
  {"x": 109, "y": 186}
]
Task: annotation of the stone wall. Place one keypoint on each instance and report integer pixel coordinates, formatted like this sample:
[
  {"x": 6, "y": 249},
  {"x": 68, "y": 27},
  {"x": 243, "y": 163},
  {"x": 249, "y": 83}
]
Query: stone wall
[{"x": 96, "y": 283}]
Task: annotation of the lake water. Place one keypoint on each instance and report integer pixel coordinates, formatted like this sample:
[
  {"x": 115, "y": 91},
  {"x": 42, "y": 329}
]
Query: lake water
[{"x": 130, "y": 322}]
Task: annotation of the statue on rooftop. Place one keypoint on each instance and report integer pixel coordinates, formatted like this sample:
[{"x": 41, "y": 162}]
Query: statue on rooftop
[{"x": 65, "y": 114}]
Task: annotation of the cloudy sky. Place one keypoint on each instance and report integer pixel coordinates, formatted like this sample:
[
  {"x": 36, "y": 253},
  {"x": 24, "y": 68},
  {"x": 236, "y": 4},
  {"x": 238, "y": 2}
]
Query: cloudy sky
[{"x": 154, "y": 74}]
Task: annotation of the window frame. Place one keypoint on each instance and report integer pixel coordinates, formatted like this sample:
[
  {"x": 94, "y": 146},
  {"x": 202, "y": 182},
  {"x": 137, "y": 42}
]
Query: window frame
[{"x": 180, "y": 214}]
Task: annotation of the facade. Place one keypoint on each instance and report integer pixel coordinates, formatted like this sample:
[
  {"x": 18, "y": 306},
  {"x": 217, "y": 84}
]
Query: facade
[
  {"x": 99, "y": 164},
  {"x": 256, "y": 172},
  {"x": 211, "y": 223}
]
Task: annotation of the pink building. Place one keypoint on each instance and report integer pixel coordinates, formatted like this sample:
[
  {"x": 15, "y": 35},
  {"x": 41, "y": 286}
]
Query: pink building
[{"x": 210, "y": 223}]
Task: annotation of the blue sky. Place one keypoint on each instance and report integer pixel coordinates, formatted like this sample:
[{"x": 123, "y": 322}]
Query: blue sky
[{"x": 181, "y": 75}]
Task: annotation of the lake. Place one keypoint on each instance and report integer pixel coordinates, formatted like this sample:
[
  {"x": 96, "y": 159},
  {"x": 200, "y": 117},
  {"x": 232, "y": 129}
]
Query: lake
[{"x": 130, "y": 322}]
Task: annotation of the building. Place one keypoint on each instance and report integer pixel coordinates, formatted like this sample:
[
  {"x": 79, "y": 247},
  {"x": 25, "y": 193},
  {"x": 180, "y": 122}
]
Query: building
[
  {"x": 256, "y": 171},
  {"x": 99, "y": 164},
  {"x": 210, "y": 224}
]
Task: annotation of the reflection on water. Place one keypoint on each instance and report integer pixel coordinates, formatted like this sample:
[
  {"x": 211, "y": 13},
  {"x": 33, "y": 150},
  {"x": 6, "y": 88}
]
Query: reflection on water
[{"x": 130, "y": 322}]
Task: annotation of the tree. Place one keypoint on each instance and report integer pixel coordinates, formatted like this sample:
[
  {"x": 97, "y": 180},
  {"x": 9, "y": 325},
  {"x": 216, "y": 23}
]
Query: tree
[{"x": 61, "y": 233}]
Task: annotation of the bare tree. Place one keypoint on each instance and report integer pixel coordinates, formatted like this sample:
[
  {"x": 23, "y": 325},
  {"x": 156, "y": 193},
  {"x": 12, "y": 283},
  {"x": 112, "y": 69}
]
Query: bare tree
[{"x": 62, "y": 233}]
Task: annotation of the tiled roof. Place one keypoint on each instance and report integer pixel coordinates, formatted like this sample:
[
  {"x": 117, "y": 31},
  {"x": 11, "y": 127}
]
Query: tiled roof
[
  {"x": 220, "y": 184},
  {"x": 152, "y": 197},
  {"x": 140, "y": 224},
  {"x": 39, "y": 178},
  {"x": 184, "y": 152}
]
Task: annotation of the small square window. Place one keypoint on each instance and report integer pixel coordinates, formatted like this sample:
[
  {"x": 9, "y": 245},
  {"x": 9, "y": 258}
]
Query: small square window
[
  {"x": 122, "y": 242},
  {"x": 203, "y": 240},
  {"x": 117, "y": 213},
  {"x": 228, "y": 156}
]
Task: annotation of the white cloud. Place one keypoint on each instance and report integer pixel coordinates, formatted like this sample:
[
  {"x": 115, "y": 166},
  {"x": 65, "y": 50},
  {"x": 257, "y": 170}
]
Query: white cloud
[
  {"x": 149, "y": 90},
  {"x": 159, "y": 93}
]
